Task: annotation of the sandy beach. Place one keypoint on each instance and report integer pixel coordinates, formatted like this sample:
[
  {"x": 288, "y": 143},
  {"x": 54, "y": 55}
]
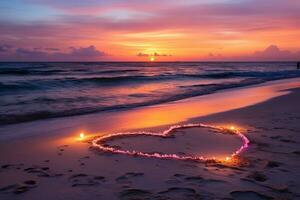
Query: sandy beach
[
  {"x": 149, "y": 100},
  {"x": 47, "y": 159}
]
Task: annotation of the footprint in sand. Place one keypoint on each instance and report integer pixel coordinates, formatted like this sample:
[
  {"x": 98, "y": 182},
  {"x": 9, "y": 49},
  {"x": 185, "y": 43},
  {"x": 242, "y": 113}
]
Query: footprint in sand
[
  {"x": 179, "y": 193},
  {"x": 42, "y": 171},
  {"x": 130, "y": 194},
  {"x": 82, "y": 159},
  {"x": 174, "y": 193},
  {"x": 249, "y": 195},
  {"x": 85, "y": 180},
  {"x": 193, "y": 180},
  {"x": 126, "y": 178},
  {"x": 272, "y": 164},
  {"x": 19, "y": 188},
  {"x": 258, "y": 176},
  {"x": 61, "y": 149},
  {"x": 11, "y": 166}
]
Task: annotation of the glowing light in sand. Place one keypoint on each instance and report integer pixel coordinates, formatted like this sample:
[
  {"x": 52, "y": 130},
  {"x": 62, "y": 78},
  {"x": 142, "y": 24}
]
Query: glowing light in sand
[
  {"x": 99, "y": 143},
  {"x": 81, "y": 137}
]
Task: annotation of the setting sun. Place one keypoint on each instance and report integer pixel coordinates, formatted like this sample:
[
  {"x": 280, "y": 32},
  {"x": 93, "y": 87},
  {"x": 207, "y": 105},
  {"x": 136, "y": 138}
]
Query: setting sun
[{"x": 152, "y": 59}]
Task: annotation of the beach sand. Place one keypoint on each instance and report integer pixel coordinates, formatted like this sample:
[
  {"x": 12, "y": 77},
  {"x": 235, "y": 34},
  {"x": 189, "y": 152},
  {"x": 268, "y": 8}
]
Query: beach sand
[{"x": 46, "y": 159}]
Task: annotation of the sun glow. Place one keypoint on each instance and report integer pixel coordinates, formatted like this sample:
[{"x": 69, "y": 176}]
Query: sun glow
[{"x": 152, "y": 59}]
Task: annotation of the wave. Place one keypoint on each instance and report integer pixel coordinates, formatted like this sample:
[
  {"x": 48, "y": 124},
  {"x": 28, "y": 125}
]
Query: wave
[
  {"x": 6, "y": 87},
  {"x": 33, "y": 91},
  {"x": 22, "y": 72},
  {"x": 120, "y": 79},
  {"x": 223, "y": 75},
  {"x": 116, "y": 71},
  {"x": 190, "y": 91},
  {"x": 274, "y": 74},
  {"x": 54, "y": 83}
]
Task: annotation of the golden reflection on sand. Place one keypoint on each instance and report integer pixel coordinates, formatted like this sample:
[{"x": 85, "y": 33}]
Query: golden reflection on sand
[
  {"x": 66, "y": 129},
  {"x": 179, "y": 111}
]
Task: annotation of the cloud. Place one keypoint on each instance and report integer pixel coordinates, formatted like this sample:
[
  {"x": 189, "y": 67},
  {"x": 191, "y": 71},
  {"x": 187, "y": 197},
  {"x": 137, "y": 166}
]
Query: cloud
[
  {"x": 214, "y": 55},
  {"x": 143, "y": 55},
  {"x": 154, "y": 54},
  {"x": 89, "y": 53},
  {"x": 5, "y": 47},
  {"x": 243, "y": 16},
  {"x": 189, "y": 28},
  {"x": 273, "y": 52},
  {"x": 157, "y": 54},
  {"x": 52, "y": 49}
]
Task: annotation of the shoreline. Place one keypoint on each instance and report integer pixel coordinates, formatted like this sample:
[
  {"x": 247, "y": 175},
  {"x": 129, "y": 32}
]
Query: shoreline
[
  {"x": 142, "y": 117},
  {"x": 33, "y": 117},
  {"x": 55, "y": 163}
]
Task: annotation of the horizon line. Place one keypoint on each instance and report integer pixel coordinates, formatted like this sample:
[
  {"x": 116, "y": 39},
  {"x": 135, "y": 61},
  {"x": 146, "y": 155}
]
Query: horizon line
[{"x": 148, "y": 61}]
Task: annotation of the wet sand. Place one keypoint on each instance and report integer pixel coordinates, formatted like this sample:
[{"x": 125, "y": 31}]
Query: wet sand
[{"x": 47, "y": 159}]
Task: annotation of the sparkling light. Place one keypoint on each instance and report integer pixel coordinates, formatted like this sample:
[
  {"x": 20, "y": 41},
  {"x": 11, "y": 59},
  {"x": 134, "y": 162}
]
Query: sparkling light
[
  {"x": 152, "y": 59},
  {"x": 81, "y": 137},
  {"x": 99, "y": 143},
  {"x": 232, "y": 128}
]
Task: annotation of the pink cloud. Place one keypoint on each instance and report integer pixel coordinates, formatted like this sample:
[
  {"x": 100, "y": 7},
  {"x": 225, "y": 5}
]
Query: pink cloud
[
  {"x": 75, "y": 54},
  {"x": 5, "y": 47},
  {"x": 271, "y": 53},
  {"x": 106, "y": 22},
  {"x": 154, "y": 54},
  {"x": 274, "y": 53}
]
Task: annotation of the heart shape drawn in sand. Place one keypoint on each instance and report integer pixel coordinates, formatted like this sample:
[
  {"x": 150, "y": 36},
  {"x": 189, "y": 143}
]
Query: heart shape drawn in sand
[{"x": 99, "y": 142}]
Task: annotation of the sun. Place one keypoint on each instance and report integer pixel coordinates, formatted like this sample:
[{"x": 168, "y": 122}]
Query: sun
[{"x": 152, "y": 59}]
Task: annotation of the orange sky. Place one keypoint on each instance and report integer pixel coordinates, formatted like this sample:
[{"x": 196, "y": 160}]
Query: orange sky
[{"x": 138, "y": 30}]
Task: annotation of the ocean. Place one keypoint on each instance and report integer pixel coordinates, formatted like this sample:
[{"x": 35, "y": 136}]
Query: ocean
[{"x": 35, "y": 91}]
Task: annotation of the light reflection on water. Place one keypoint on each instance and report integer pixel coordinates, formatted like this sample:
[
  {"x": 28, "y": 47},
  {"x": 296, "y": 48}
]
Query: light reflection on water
[{"x": 33, "y": 91}]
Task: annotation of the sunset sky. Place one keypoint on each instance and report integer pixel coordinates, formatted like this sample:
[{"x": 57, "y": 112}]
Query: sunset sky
[{"x": 136, "y": 30}]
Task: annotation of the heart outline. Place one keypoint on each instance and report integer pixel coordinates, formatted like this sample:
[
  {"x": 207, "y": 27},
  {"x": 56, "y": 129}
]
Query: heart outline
[{"x": 98, "y": 142}]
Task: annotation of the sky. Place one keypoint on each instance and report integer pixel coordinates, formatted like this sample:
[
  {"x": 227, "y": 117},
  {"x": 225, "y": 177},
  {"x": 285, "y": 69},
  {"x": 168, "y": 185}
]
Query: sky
[{"x": 138, "y": 30}]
